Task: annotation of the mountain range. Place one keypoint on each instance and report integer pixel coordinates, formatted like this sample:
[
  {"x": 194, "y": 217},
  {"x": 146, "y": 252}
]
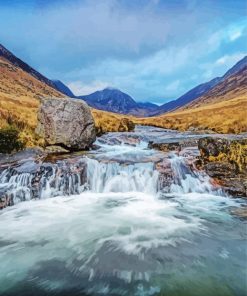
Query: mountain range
[
  {"x": 219, "y": 103},
  {"x": 114, "y": 100}
]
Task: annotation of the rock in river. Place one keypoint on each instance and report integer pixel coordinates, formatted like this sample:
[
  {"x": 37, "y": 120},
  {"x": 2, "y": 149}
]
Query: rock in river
[
  {"x": 67, "y": 123},
  {"x": 226, "y": 161}
]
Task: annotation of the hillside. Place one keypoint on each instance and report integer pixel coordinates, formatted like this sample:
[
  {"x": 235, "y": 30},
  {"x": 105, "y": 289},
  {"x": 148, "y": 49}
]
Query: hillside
[
  {"x": 199, "y": 90},
  {"x": 234, "y": 85},
  {"x": 222, "y": 109},
  {"x": 114, "y": 100},
  {"x": 20, "y": 93}
]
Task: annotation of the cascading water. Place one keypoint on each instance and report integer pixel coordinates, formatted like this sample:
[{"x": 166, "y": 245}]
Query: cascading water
[
  {"x": 117, "y": 233},
  {"x": 187, "y": 180},
  {"x": 48, "y": 180},
  {"x": 114, "y": 177},
  {"x": 17, "y": 186},
  {"x": 100, "y": 177}
]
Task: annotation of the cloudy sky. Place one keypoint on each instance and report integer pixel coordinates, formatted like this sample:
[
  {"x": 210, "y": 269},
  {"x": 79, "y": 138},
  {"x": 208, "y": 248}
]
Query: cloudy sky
[{"x": 155, "y": 50}]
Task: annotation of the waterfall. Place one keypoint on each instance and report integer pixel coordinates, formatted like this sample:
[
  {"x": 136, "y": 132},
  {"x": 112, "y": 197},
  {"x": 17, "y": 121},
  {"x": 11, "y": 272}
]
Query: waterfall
[
  {"x": 48, "y": 180},
  {"x": 73, "y": 177},
  {"x": 16, "y": 186},
  {"x": 186, "y": 180},
  {"x": 115, "y": 177}
]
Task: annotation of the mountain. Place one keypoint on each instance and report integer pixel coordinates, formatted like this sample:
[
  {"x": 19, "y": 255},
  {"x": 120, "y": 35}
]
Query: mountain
[
  {"x": 63, "y": 88},
  {"x": 222, "y": 109},
  {"x": 233, "y": 85},
  {"x": 12, "y": 59},
  {"x": 114, "y": 100},
  {"x": 18, "y": 63},
  {"x": 147, "y": 105},
  {"x": 237, "y": 67},
  {"x": 21, "y": 88},
  {"x": 199, "y": 90}
]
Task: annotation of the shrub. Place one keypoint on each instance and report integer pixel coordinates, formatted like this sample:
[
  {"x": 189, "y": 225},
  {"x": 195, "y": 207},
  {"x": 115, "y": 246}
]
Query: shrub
[{"x": 9, "y": 140}]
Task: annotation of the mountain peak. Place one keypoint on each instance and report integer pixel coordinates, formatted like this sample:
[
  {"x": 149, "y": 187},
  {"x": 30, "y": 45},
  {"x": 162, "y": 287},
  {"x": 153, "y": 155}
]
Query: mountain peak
[
  {"x": 114, "y": 100},
  {"x": 111, "y": 88}
]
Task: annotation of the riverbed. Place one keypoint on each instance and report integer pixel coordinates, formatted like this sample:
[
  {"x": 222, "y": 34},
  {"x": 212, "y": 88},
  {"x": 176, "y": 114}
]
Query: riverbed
[{"x": 120, "y": 233}]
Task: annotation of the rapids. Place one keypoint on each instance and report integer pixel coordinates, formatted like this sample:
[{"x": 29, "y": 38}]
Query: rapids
[{"x": 119, "y": 232}]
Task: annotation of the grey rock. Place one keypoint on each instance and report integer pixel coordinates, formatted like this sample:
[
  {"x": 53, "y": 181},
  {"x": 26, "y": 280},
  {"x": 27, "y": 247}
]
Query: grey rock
[
  {"x": 67, "y": 123},
  {"x": 34, "y": 154},
  {"x": 54, "y": 149}
]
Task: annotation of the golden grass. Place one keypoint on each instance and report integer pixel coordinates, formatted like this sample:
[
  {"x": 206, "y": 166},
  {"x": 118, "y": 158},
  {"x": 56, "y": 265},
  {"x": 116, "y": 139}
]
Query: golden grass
[
  {"x": 223, "y": 117},
  {"x": 19, "y": 100},
  {"x": 111, "y": 122}
]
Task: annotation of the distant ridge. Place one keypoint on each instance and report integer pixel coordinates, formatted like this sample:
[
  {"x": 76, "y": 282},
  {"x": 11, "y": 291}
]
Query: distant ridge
[
  {"x": 63, "y": 88},
  {"x": 114, "y": 100},
  {"x": 199, "y": 90},
  {"x": 9, "y": 56}
]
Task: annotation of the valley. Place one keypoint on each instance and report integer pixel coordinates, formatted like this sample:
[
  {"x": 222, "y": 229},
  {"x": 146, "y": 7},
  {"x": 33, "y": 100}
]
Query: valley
[{"x": 123, "y": 148}]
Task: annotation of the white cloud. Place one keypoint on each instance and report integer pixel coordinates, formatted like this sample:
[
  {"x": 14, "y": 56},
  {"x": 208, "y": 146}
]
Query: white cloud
[
  {"x": 235, "y": 35},
  {"x": 79, "y": 88},
  {"x": 172, "y": 86},
  {"x": 230, "y": 60},
  {"x": 227, "y": 34},
  {"x": 220, "y": 66}
]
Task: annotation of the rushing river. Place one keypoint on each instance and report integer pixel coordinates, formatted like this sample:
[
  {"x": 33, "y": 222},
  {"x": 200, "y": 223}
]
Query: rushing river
[{"x": 121, "y": 234}]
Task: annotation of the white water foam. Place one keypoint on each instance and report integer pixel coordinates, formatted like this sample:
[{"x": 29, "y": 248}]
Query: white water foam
[
  {"x": 187, "y": 180},
  {"x": 114, "y": 177}
]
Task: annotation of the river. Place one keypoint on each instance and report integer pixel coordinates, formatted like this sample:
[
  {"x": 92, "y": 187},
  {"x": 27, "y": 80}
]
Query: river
[{"x": 120, "y": 233}]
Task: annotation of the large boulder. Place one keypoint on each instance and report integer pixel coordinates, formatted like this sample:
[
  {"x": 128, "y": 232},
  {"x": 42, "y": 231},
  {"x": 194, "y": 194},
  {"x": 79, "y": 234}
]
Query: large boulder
[{"x": 67, "y": 123}]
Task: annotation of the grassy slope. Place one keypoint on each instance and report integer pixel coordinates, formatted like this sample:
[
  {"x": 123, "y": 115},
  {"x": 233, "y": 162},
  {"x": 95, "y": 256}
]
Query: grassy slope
[
  {"x": 223, "y": 109},
  {"x": 223, "y": 117},
  {"x": 19, "y": 95},
  {"x": 110, "y": 122},
  {"x": 19, "y": 99}
]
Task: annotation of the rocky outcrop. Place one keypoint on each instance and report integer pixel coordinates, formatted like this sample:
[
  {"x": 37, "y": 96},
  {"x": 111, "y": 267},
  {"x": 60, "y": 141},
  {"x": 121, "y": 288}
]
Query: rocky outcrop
[
  {"x": 29, "y": 154},
  {"x": 67, "y": 123},
  {"x": 173, "y": 146},
  {"x": 226, "y": 162},
  {"x": 165, "y": 147}
]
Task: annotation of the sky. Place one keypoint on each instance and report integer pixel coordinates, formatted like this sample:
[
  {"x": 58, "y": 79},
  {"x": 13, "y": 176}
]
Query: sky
[{"x": 154, "y": 50}]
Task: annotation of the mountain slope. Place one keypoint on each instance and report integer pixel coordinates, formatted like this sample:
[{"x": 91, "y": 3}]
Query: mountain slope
[
  {"x": 223, "y": 109},
  {"x": 63, "y": 88},
  {"x": 114, "y": 100},
  {"x": 237, "y": 67},
  {"x": 199, "y": 90},
  {"x": 230, "y": 87},
  {"x": 20, "y": 91},
  {"x": 18, "y": 63}
]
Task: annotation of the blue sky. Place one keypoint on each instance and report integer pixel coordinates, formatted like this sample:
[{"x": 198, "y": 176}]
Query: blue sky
[{"x": 153, "y": 50}]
